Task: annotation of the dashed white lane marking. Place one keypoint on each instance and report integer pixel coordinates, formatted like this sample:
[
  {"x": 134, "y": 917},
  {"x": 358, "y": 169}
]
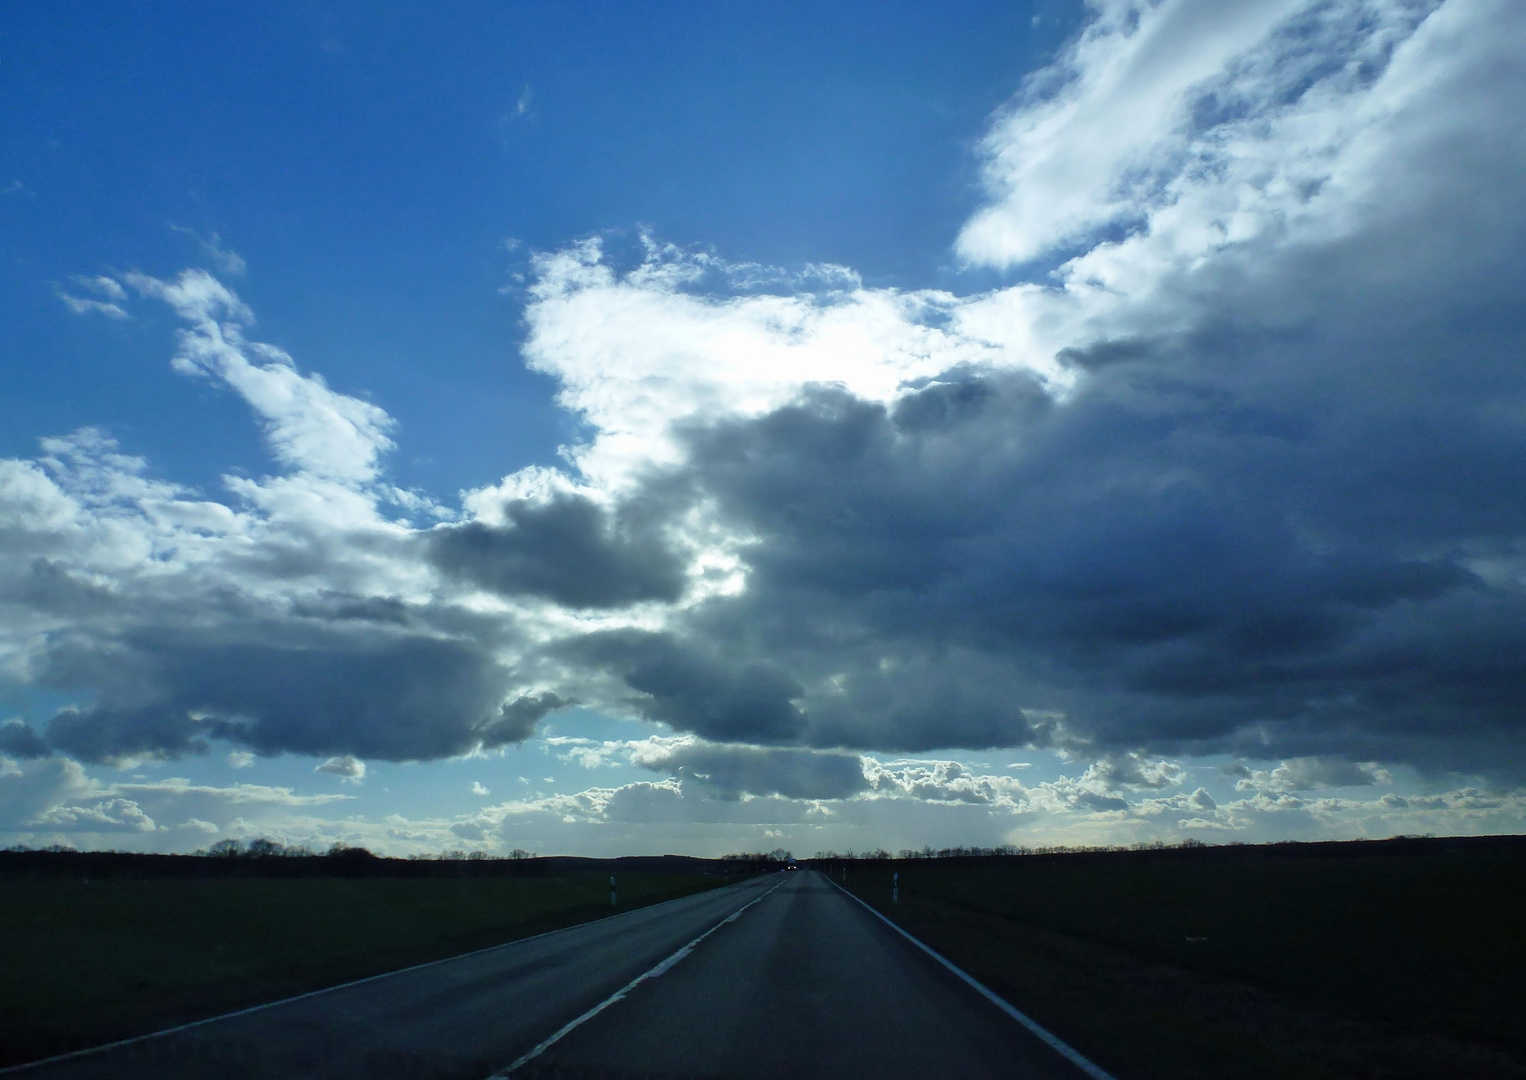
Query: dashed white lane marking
[
  {"x": 1064, "y": 1049},
  {"x": 660, "y": 969}
]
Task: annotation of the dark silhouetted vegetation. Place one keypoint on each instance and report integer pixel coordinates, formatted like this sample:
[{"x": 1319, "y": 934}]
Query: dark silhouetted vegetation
[{"x": 267, "y": 858}]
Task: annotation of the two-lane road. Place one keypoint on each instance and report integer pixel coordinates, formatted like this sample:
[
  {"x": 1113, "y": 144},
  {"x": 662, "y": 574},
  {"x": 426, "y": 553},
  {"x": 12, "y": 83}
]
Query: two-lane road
[
  {"x": 806, "y": 984},
  {"x": 802, "y": 981}
]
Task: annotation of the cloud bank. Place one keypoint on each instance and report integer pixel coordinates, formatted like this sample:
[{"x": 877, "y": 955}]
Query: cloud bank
[{"x": 1229, "y": 467}]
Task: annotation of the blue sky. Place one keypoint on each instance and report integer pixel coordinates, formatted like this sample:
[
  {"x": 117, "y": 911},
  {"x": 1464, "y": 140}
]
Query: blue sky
[
  {"x": 712, "y": 427},
  {"x": 385, "y": 159}
]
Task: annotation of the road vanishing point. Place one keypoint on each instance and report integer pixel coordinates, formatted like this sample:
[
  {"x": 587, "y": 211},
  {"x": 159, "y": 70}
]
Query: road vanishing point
[{"x": 783, "y": 975}]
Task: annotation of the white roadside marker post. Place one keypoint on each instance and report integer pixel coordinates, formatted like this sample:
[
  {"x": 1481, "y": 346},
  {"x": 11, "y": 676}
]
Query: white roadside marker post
[
  {"x": 895, "y": 887},
  {"x": 611, "y": 892}
]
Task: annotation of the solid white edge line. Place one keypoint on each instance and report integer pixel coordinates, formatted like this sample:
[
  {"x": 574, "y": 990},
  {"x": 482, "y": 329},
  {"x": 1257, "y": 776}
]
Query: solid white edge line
[
  {"x": 660, "y": 969},
  {"x": 1053, "y": 1041},
  {"x": 12, "y": 1070}
]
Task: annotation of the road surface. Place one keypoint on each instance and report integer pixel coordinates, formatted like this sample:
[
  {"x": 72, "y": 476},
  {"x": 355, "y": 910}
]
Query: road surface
[{"x": 790, "y": 978}]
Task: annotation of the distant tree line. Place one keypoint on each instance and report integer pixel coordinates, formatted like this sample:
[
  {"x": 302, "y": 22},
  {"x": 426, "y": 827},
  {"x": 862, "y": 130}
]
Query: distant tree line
[
  {"x": 1190, "y": 848},
  {"x": 1004, "y": 851},
  {"x": 264, "y": 857},
  {"x": 269, "y": 858},
  {"x": 272, "y": 849},
  {"x": 756, "y": 862}
]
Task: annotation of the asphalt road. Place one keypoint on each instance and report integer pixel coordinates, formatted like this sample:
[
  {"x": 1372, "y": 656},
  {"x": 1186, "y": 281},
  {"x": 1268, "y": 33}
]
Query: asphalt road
[{"x": 791, "y": 978}]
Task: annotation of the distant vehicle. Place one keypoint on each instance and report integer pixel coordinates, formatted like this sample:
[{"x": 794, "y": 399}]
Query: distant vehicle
[{"x": 792, "y": 865}]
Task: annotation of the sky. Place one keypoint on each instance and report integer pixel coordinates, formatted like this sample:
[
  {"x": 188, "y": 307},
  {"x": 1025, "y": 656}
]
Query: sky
[{"x": 716, "y": 427}]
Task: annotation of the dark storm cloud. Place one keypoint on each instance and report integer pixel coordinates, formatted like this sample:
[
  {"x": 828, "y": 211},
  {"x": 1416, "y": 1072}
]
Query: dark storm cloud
[
  {"x": 693, "y": 690},
  {"x": 99, "y": 734},
  {"x": 567, "y": 549},
  {"x": 368, "y": 695},
  {"x": 517, "y": 719},
  {"x": 731, "y": 771},
  {"x": 1225, "y": 539},
  {"x": 18, "y": 739},
  {"x": 50, "y": 587},
  {"x": 1278, "y": 514}
]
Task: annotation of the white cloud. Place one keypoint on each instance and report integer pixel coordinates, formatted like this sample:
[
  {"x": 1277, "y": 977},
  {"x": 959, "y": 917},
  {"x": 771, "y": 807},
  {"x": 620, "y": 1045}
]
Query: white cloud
[
  {"x": 347, "y": 767},
  {"x": 226, "y": 262},
  {"x": 637, "y": 353},
  {"x": 944, "y": 781},
  {"x": 1133, "y": 772},
  {"x": 478, "y": 789},
  {"x": 309, "y": 426},
  {"x": 1090, "y": 141},
  {"x": 1310, "y": 773},
  {"x": 84, "y": 306},
  {"x": 53, "y": 799},
  {"x": 1183, "y": 802},
  {"x": 101, "y": 816},
  {"x": 101, "y": 285}
]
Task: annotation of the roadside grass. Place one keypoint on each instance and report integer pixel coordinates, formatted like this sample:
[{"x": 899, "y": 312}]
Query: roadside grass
[
  {"x": 1164, "y": 965},
  {"x": 84, "y": 964}
]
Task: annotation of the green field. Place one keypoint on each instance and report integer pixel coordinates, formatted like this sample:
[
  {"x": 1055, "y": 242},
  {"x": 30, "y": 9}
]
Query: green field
[
  {"x": 82, "y": 964},
  {"x": 1177, "y": 965}
]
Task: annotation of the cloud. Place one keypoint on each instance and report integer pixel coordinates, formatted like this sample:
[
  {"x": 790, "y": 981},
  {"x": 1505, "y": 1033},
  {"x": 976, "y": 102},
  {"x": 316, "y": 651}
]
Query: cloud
[
  {"x": 1233, "y": 472},
  {"x": 914, "y": 801},
  {"x": 1308, "y": 774},
  {"x": 307, "y": 425},
  {"x": 1195, "y": 801},
  {"x": 478, "y": 789},
  {"x": 36, "y": 788},
  {"x": 376, "y": 694},
  {"x": 941, "y": 802},
  {"x": 18, "y": 739},
  {"x": 227, "y": 262},
  {"x": 730, "y": 771},
  {"x": 350, "y": 769},
  {"x": 637, "y": 352},
  {"x": 101, "y": 286},
  {"x": 1093, "y": 140},
  {"x": 726, "y": 771},
  {"x": 944, "y": 782},
  {"x": 300, "y": 618},
  {"x": 1134, "y": 772},
  {"x": 1200, "y": 492},
  {"x": 102, "y": 816},
  {"x": 566, "y": 549},
  {"x": 51, "y": 799},
  {"x": 691, "y": 689}
]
